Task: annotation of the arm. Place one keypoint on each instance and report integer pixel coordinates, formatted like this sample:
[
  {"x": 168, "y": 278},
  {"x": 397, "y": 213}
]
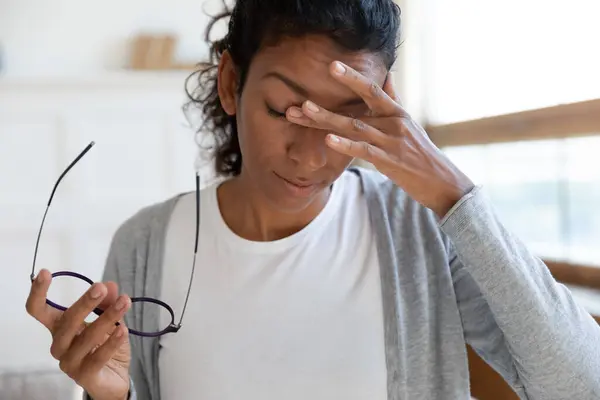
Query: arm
[{"x": 515, "y": 315}]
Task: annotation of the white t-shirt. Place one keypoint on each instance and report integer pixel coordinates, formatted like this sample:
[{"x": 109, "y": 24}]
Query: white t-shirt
[{"x": 297, "y": 318}]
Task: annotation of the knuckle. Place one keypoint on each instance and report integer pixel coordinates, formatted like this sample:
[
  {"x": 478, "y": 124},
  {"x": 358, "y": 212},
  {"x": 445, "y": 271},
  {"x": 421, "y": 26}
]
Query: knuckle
[
  {"x": 403, "y": 128},
  {"x": 374, "y": 90},
  {"x": 66, "y": 366},
  {"x": 326, "y": 117},
  {"x": 67, "y": 315},
  {"x": 65, "y": 322},
  {"x": 367, "y": 148},
  {"x": 308, "y": 123},
  {"x": 111, "y": 315},
  {"x": 30, "y": 308},
  {"x": 55, "y": 350},
  {"x": 102, "y": 325},
  {"x": 62, "y": 364},
  {"x": 358, "y": 125},
  {"x": 351, "y": 146}
]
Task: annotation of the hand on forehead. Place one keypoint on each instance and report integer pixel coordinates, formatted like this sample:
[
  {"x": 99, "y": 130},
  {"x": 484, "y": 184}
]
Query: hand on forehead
[{"x": 299, "y": 69}]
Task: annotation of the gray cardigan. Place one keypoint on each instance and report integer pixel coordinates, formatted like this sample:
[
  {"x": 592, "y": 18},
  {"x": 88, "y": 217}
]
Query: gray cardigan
[{"x": 461, "y": 279}]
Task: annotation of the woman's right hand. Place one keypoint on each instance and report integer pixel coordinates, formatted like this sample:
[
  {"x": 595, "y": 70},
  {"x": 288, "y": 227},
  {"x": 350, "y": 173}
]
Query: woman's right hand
[{"x": 97, "y": 355}]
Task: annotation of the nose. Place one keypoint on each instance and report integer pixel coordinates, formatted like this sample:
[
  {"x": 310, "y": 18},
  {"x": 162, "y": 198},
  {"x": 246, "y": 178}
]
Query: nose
[{"x": 308, "y": 148}]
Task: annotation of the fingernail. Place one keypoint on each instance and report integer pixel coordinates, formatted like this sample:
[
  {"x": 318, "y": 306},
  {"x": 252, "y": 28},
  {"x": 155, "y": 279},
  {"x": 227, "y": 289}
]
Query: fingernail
[
  {"x": 339, "y": 68},
  {"x": 334, "y": 138},
  {"x": 97, "y": 291},
  {"x": 121, "y": 303},
  {"x": 296, "y": 112},
  {"x": 312, "y": 106},
  {"x": 41, "y": 278}
]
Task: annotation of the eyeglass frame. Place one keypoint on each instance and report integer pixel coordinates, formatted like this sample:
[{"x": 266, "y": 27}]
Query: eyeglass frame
[{"x": 172, "y": 327}]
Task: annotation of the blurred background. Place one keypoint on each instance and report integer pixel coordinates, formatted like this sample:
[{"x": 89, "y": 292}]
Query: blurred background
[{"x": 508, "y": 89}]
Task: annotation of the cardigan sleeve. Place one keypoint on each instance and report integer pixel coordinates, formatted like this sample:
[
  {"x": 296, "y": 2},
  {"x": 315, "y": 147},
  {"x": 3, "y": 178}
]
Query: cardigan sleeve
[{"x": 515, "y": 315}]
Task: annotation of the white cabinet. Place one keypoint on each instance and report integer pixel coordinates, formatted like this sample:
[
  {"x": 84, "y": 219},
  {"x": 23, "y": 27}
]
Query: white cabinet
[{"x": 144, "y": 153}]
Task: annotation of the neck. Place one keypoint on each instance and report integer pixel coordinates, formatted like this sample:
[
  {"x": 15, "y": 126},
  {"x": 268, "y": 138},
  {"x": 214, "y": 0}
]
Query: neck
[{"x": 255, "y": 219}]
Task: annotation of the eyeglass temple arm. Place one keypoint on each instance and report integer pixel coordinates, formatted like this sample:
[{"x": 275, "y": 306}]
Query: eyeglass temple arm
[
  {"x": 195, "y": 247},
  {"x": 60, "y": 178}
]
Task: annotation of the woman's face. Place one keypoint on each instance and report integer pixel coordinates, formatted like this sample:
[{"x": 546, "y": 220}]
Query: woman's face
[{"x": 287, "y": 164}]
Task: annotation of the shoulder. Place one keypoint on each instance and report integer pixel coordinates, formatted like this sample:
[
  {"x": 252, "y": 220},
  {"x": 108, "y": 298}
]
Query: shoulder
[
  {"x": 396, "y": 214},
  {"x": 375, "y": 184},
  {"x": 139, "y": 227},
  {"x": 132, "y": 244},
  {"x": 382, "y": 192}
]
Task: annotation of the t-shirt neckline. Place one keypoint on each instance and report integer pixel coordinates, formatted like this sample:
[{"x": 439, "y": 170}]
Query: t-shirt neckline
[{"x": 214, "y": 218}]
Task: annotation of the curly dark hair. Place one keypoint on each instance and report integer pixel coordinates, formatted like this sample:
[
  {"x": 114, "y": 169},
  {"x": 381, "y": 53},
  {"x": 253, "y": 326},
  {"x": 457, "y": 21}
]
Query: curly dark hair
[{"x": 354, "y": 25}]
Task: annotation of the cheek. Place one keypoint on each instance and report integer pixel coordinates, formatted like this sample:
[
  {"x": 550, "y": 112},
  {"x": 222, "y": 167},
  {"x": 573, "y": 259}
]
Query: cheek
[
  {"x": 262, "y": 138},
  {"x": 337, "y": 161}
]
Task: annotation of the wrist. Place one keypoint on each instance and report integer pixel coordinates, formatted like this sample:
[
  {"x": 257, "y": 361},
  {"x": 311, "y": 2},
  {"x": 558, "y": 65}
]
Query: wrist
[
  {"x": 104, "y": 396},
  {"x": 443, "y": 208},
  {"x": 450, "y": 198},
  {"x": 126, "y": 397}
]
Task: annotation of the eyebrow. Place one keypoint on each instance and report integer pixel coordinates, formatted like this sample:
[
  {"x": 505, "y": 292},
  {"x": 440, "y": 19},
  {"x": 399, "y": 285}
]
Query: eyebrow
[{"x": 301, "y": 90}]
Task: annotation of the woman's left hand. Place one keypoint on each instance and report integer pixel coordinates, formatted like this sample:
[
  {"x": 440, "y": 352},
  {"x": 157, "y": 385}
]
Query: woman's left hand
[{"x": 391, "y": 140}]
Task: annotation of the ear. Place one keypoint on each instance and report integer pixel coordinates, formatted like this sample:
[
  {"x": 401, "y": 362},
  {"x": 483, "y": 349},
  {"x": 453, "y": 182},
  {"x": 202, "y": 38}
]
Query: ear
[{"x": 227, "y": 83}]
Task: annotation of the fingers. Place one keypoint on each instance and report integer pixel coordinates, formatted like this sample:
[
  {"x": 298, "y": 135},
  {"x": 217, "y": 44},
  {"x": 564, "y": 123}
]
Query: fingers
[
  {"x": 72, "y": 320},
  {"x": 363, "y": 150},
  {"x": 314, "y": 116},
  {"x": 95, "y": 334},
  {"x": 103, "y": 354},
  {"x": 112, "y": 292},
  {"x": 380, "y": 102},
  {"x": 36, "y": 301}
]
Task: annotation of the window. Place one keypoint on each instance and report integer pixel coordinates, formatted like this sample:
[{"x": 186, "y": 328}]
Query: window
[
  {"x": 510, "y": 91},
  {"x": 484, "y": 58},
  {"x": 547, "y": 192}
]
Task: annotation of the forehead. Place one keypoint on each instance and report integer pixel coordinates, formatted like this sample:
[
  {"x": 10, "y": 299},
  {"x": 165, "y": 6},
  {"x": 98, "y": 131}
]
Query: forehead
[{"x": 307, "y": 59}]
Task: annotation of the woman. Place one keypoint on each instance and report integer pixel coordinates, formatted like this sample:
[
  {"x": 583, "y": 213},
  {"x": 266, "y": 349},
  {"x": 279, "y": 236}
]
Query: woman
[{"x": 315, "y": 280}]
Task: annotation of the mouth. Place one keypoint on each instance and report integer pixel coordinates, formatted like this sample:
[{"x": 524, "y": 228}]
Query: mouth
[{"x": 299, "y": 188}]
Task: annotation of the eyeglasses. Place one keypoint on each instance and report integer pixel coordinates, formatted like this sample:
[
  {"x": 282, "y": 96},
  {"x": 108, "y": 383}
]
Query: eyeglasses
[{"x": 143, "y": 301}]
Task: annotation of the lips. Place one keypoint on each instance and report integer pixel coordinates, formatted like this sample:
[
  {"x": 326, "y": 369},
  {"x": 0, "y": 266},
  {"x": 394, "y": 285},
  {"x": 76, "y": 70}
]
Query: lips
[
  {"x": 300, "y": 184},
  {"x": 298, "y": 187}
]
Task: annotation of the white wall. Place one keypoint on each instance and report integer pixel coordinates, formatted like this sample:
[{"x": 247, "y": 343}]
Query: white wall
[
  {"x": 63, "y": 85},
  {"x": 144, "y": 153},
  {"x": 70, "y": 37}
]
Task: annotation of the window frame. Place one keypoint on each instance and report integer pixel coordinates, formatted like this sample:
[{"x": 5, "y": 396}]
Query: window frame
[{"x": 563, "y": 121}]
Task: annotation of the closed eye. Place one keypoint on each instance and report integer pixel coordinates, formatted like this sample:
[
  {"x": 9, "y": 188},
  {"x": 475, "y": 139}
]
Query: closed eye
[{"x": 274, "y": 113}]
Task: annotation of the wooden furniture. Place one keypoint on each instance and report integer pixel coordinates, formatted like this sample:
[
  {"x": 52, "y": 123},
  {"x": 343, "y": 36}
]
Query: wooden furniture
[
  {"x": 156, "y": 52},
  {"x": 486, "y": 384},
  {"x": 562, "y": 121}
]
